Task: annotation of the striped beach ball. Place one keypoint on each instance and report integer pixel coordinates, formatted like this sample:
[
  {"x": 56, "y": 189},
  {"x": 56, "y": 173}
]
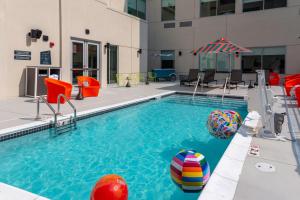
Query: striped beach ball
[{"x": 190, "y": 170}]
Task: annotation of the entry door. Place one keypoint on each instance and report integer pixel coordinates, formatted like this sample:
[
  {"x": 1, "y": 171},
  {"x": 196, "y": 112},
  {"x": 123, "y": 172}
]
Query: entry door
[
  {"x": 85, "y": 59},
  {"x": 112, "y": 64}
]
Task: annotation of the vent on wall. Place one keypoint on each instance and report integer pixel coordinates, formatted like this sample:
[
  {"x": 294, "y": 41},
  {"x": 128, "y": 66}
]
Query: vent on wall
[
  {"x": 169, "y": 25},
  {"x": 186, "y": 24}
]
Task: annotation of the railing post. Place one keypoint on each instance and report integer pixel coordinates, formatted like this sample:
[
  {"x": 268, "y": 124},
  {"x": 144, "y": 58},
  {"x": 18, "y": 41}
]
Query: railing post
[{"x": 38, "y": 109}]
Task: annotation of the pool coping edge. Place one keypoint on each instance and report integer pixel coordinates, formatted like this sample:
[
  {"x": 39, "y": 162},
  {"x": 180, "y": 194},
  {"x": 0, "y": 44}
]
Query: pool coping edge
[{"x": 224, "y": 180}]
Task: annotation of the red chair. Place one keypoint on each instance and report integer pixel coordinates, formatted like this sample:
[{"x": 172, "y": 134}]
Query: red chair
[
  {"x": 274, "y": 78},
  {"x": 291, "y": 77},
  {"x": 290, "y": 84},
  {"x": 55, "y": 88},
  {"x": 90, "y": 86},
  {"x": 297, "y": 93}
]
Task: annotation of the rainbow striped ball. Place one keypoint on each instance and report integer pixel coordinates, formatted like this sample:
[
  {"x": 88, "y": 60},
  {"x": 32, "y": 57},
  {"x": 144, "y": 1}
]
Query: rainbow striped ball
[{"x": 190, "y": 170}]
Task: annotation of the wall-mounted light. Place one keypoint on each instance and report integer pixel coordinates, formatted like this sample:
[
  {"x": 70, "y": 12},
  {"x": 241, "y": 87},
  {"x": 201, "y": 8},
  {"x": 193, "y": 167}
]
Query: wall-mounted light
[
  {"x": 180, "y": 53},
  {"x": 35, "y": 33},
  {"x": 51, "y": 44},
  {"x": 87, "y": 31},
  {"x": 107, "y": 45},
  {"x": 140, "y": 51}
]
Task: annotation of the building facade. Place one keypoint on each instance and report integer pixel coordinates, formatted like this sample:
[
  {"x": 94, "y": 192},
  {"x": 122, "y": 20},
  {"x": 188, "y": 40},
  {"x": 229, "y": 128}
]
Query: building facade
[
  {"x": 270, "y": 28},
  {"x": 103, "y": 38},
  {"x": 85, "y": 37}
]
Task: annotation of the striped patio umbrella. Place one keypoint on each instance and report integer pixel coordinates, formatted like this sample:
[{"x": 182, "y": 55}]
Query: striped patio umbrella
[{"x": 221, "y": 46}]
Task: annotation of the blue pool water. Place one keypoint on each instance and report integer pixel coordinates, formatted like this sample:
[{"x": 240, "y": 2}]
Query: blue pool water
[{"x": 137, "y": 143}]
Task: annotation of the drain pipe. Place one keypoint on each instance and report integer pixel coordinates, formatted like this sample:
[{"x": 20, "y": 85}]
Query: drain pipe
[{"x": 60, "y": 33}]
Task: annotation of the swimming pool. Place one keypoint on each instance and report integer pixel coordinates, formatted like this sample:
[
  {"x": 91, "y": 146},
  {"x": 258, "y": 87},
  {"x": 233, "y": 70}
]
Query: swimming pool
[{"x": 136, "y": 142}]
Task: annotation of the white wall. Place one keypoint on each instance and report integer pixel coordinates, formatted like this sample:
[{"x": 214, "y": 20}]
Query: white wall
[{"x": 105, "y": 19}]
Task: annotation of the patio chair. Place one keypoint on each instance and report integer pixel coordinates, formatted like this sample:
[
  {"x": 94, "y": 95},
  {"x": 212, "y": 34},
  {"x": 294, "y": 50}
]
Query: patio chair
[
  {"x": 290, "y": 84},
  {"x": 209, "y": 76},
  {"x": 291, "y": 77},
  {"x": 274, "y": 79},
  {"x": 192, "y": 77},
  {"x": 57, "y": 87},
  {"x": 236, "y": 78},
  {"x": 90, "y": 86}
]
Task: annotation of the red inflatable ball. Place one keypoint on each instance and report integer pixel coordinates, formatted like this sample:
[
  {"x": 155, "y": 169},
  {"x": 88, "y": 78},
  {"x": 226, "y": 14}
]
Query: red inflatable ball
[{"x": 110, "y": 187}]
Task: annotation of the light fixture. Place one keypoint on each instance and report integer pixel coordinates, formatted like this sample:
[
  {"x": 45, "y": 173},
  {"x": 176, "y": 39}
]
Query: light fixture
[
  {"x": 107, "y": 45},
  {"x": 35, "y": 33},
  {"x": 87, "y": 31},
  {"x": 140, "y": 51},
  {"x": 180, "y": 53}
]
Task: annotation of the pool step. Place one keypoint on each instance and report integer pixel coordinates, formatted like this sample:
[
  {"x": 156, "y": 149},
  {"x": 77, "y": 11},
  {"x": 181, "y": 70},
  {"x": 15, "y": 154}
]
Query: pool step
[
  {"x": 204, "y": 101},
  {"x": 65, "y": 126}
]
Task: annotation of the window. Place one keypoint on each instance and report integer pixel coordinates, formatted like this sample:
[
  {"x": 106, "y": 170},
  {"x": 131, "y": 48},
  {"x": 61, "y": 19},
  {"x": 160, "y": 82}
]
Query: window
[
  {"x": 220, "y": 62},
  {"x": 167, "y": 58},
  {"x": 216, "y": 7},
  {"x": 272, "y": 59},
  {"x": 252, "y": 5},
  {"x": 137, "y": 8},
  {"x": 167, "y": 10}
]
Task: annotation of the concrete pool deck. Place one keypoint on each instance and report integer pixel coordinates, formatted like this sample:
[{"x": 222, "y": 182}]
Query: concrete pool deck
[{"x": 252, "y": 184}]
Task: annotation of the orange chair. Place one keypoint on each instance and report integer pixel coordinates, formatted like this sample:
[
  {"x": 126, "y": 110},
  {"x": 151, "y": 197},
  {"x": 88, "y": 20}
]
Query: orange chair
[
  {"x": 290, "y": 84},
  {"x": 90, "y": 86},
  {"x": 291, "y": 77},
  {"x": 274, "y": 78},
  {"x": 56, "y": 87}
]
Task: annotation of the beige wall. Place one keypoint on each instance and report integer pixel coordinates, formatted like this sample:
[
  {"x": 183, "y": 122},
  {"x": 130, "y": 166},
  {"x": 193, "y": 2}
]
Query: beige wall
[
  {"x": 105, "y": 19},
  {"x": 274, "y": 27}
]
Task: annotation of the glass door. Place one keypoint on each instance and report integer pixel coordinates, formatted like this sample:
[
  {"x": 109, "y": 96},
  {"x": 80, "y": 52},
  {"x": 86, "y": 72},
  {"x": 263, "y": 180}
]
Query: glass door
[
  {"x": 93, "y": 60},
  {"x": 77, "y": 60},
  {"x": 85, "y": 59},
  {"x": 112, "y": 64}
]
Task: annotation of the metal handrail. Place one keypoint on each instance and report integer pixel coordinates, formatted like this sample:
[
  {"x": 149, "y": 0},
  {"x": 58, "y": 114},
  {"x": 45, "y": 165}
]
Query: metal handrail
[
  {"x": 69, "y": 102},
  {"x": 224, "y": 90},
  {"x": 49, "y": 106},
  {"x": 196, "y": 87}
]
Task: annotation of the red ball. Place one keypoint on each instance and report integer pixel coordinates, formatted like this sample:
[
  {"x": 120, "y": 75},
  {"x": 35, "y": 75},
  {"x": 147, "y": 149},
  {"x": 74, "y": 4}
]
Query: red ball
[{"x": 110, "y": 187}]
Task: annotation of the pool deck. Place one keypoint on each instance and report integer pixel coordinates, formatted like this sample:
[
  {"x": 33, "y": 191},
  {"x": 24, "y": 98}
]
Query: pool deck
[{"x": 250, "y": 184}]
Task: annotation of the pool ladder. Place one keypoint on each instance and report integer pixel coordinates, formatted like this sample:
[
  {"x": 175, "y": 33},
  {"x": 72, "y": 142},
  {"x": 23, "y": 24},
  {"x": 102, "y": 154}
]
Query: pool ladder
[{"x": 59, "y": 126}]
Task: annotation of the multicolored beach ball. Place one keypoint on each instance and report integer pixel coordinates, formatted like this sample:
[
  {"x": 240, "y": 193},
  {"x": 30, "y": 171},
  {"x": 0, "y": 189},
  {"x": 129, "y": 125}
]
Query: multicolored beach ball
[
  {"x": 223, "y": 124},
  {"x": 190, "y": 170}
]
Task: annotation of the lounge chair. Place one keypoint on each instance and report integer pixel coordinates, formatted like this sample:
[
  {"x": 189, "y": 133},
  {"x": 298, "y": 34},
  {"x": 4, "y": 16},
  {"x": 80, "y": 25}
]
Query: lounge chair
[
  {"x": 55, "y": 88},
  {"x": 236, "y": 77},
  {"x": 209, "y": 76},
  {"x": 90, "y": 86},
  {"x": 192, "y": 77}
]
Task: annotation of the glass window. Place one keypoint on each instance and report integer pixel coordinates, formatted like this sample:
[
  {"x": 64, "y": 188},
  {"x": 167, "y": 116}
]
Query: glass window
[
  {"x": 252, "y": 5},
  {"x": 208, "y": 8},
  {"x": 167, "y": 58},
  {"x": 272, "y": 59},
  {"x": 226, "y": 7},
  {"x": 167, "y": 10},
  {"x": 216, "y": 7},
  {"x": 137, "y": 8},
  {"x": 220, "y": 62},
  {"x": 275, "y": 3}
]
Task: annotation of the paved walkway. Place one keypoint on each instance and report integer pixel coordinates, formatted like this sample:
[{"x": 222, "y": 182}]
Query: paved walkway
[
  {"x": 22, "y": 110},
  {"x": 284, "y": 183}
]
